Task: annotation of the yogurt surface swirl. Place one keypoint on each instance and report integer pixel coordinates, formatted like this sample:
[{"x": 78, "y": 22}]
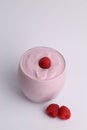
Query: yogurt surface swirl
[{"x": 30, "y": 60}]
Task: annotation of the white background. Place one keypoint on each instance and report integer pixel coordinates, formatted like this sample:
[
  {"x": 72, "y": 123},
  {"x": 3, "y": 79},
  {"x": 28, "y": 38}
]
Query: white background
[{"x": 60, "y": 24}]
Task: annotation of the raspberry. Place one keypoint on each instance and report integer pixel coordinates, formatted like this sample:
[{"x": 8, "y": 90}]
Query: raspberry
[
  {"x": 45, "y": 63},
  {"x": 52, "y": 110},
  {"x": 64, "y": 113}
]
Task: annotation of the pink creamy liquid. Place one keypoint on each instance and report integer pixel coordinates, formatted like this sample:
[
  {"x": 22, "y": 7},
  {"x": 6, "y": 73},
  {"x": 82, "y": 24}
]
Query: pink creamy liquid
[
  {"x": 40, "y": 84},
  {"x": 32, "y": 69}
]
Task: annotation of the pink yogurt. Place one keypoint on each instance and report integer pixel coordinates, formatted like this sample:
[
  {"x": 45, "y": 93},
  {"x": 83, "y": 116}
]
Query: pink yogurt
[{"x": 39, "y": 84}]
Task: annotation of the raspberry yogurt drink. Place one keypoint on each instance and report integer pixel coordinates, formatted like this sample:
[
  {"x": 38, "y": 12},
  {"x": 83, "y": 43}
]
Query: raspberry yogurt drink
[{"x": 41, "y": 73}]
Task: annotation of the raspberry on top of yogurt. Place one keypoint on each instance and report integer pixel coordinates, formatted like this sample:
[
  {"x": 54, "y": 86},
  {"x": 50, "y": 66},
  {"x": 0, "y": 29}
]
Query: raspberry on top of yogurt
[
  {"x": 45, "y": 63},
  {"x": 42, "y": 63}
]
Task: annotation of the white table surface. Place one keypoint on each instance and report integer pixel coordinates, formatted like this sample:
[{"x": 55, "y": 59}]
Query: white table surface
[{"x": 60, "y": 24}]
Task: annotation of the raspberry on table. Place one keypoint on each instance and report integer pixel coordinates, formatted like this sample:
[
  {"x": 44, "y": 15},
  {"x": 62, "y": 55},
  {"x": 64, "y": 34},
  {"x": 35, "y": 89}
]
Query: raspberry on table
[
  {"x": 64, "y": 113},
  {"x": 45, "y": 63},
  {"x": 52, "y": 110}
]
